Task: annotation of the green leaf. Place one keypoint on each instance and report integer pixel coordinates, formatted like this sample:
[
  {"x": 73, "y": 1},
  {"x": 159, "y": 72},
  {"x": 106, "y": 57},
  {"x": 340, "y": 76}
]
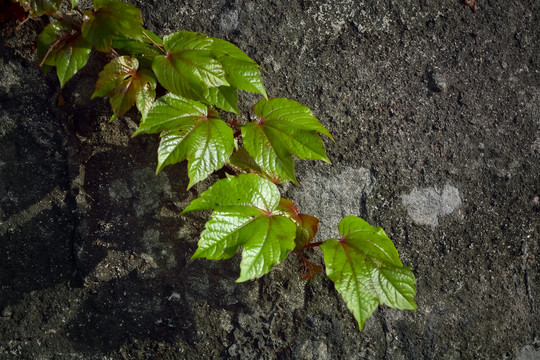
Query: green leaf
[
  {"x": 224, "y": 97},
  {"x": 189, "y": 62},
  {"x": 40, "y": 7},
  {"x": 171, "y": 112},
  {"x": 366, "y": 270},
  {"x": 207, "y": 144},
  {"x": 121, "y": 81},
  {"x": 241, "y": 71},
  {"x": 242, "y": 160},
  {"x": 283, "y": 128},
  {"x": 74, "y": 3},
  {"x": 112, "y": 17},
  {"x": 63, "y": 47},
  {"x": 245, "y": 215},
  {"x": 191, "y": 132},
  {"x": 144, "y": 49},
  {"x": 206, "y": 69}
]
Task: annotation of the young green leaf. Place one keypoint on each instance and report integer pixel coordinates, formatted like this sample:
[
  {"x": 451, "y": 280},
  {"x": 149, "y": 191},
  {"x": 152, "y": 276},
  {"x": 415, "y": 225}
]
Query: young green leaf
[
  {"x": 191, "y": 132},
  {"x": 245, "y": 215},
  {"x": 74, "y": 3},
  {"x": 366, "y": 270},
  {"x": 40, "y": 7},
  {"x": 283, "y": 128},
  {"x": 125, "y": 85},
  {"x": 112, "y": 17},
  {"x": 62, "y": 46}
]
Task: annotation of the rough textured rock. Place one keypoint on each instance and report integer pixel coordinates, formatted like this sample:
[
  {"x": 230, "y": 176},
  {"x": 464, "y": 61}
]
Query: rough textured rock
[{"x": 435, "y": 114}]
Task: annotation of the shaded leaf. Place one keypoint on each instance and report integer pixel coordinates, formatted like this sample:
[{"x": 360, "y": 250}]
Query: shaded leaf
[
  {"x": 366, "y": 270},
  {"x": 125, "y": 85},
  {"x": 11, "y": 11},
  {"x": 245, "y": 215},
  {"x": 40, "y": 7},
  {"x": 144, "y": 49},
  {"x": 112, "y": 17},
  {"x": 62, "y": 46},
  {"x": 283, "y": 128}
]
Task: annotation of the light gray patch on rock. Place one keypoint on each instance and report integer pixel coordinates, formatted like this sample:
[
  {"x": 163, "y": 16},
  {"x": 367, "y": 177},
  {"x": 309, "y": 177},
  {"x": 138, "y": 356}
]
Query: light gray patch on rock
[
  {"x": 229, "y": 20},
  {"x": 528, "y": 352},
  {"x": 313, "y": 351},
  {"x": 332, "y": 197},
  {"x": 425, "y": 206}
]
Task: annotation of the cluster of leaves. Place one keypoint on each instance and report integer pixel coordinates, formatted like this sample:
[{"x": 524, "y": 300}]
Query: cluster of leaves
[{"x": 201, "y": 76}]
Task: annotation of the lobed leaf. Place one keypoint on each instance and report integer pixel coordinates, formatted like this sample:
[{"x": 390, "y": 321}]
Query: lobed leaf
[
  {"x": 111, "y": 18},
  {"x": 206, "y": 69},
  {"x": 62, "y": 46},
  {"x": 283, "y": 128},
  {"x": 191, "y": 132},
  {"x": 366, "y": 270},
  {"x": 245, "y": 216},
  {"x": 126, "y": 85},
  {"x": 241, "y": 71}
]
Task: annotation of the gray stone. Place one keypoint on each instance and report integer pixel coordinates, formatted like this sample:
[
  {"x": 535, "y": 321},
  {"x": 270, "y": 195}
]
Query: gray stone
[
  {"x": 425, "y": 206},
  {"x": 331, "y": 197}
]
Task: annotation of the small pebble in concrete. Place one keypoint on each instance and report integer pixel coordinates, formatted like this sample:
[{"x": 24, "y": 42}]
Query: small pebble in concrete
[{"x": 436, "y": 81}]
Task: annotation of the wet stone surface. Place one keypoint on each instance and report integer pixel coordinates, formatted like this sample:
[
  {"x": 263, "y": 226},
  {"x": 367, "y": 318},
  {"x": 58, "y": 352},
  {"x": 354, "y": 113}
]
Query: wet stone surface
[{"x": 435, "y": 112}]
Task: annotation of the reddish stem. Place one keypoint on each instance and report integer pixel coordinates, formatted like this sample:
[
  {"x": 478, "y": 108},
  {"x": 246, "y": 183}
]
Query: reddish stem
[{"x": 49, "y": 51}]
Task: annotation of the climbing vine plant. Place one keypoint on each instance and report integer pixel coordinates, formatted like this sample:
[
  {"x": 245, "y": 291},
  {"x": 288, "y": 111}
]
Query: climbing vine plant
[{"x": 201, "y": 76}]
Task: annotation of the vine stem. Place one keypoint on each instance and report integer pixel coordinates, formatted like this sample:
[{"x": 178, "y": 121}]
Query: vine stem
[
  {"x": 49, "y": 51},
  {"x": 160, "y": 47}
]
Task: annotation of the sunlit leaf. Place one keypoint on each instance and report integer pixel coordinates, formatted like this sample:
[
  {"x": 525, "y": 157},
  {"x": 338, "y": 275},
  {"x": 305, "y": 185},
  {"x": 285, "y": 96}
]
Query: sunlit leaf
[
  {"x": 244, "y": 216},
  {"x": 206, "y": 69},
  {"x": 283, "y": 128},
  {"x": 192, "y": 132},
  {"x": 366, "y": 270},
  {"x": 241, "y": 71}
]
